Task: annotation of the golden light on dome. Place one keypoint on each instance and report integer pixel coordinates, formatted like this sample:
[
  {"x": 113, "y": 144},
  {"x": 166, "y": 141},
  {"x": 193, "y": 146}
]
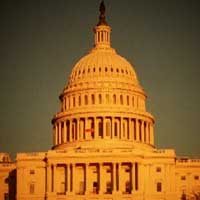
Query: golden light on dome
[{"x": 103, "y": 140}]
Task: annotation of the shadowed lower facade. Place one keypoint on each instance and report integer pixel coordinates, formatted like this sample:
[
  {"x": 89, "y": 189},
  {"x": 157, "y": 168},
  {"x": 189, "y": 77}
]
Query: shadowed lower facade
[{"x": 103, "y": 140}]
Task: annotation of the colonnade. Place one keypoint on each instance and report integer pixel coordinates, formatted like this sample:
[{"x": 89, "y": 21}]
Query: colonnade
[
  {"x": 107, "y": 178},
  {"x": 92, "y": 128}
]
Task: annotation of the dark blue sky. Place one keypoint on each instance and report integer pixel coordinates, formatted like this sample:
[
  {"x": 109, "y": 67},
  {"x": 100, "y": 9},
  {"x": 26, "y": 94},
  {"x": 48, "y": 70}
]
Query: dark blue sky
[{"x": 40, "y": 41}]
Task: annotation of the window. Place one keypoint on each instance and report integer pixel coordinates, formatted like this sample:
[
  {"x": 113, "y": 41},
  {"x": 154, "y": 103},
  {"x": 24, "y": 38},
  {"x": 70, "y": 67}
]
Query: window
[
  {"x": 79, "y": 100},
  {"x": 114, "y": 99},
  {"x": 6, "y": 196},
  {"x": 74, "y": 102},
  {"x": 106, "y": 69},
  {"x": 108, "y": 187},
  {"x": 158, "y": 169},
  {"x": 32, "y": 171},
  {"x": 133, "y": 101},
  {"x": 93, "y": 99},
  {"x": 128, "y": 187},
  {"x": 183, "y": 178},
  {"x": 99, "y": 69},
  {"x": 128, "y": 100},
  {"x": 95, "y": 187},
  {"x": 86, "y": 100},
  {"x": 32, "y": 188},
  {"x": 100, "y": 99},
  {"x": 93, "y": 69},
  {"x": 81, "y": 187},
  {"x": 107, "y": 98},
  {"x": 196, "y": 177},
  {"x": 159, "y": 187}
]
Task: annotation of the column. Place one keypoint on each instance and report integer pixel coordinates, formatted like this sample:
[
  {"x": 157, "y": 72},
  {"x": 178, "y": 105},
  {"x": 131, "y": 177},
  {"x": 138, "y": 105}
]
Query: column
[
  {"x": 49, "y": 178},
  {"x": 121, "y": 128},
  {"x": 130, "y": 130},
  {"x": 151, "y": 135},
  {"x": 140, "y": 177},
  {"x": 100, "y": 178},
  {"x": 73, "y": 172},
  {"x": 52, "y": 178},
  {"x": 60, "y": 133},
  {"x": 86, "y": 127},
  {"x": 104, "y": 127},
  {"x": 147, "y": 133},
  {"x": 112, "y": 128},
  {"x": 142, "y": 131},
  {"x": 86, "y": 178},
  {"x": 65, "y": 132},
  {"x": 95, "y": 129},
  {"x": 119, "y": 178},
  {"x": 114, "y": 176},
  {"x": 137, "y": 130},
  {"x": 56, "y": 135},
  {"x": 133, "y": 178},
  {"x": 77, "y": 129},
  {"x": 55, "y": 179},
  {"x": 70, "y": 130},
  {"x": 68, "y": 178}
]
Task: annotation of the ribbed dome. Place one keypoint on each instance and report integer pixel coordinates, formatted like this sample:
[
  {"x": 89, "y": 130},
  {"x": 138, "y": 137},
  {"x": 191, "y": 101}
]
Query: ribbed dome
[{"x": 104, "y": 65}]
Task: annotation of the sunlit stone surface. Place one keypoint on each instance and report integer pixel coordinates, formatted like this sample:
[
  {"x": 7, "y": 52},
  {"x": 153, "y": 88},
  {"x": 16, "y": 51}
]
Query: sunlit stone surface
[{"x": 103, "y": 141}]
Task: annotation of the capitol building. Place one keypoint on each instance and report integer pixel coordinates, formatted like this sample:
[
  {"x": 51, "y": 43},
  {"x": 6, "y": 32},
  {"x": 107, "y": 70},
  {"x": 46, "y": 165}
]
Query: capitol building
[{"x": 103, "y": 141}]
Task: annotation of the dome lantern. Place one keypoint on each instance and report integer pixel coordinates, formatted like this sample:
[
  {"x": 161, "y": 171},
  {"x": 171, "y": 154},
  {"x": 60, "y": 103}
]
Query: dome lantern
[{"x": 102, "y": 30}]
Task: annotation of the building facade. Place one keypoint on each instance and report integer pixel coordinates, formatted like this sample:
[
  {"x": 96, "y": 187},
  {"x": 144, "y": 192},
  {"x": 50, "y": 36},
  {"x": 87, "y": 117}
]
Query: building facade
[{"x": 103, "y": 140}]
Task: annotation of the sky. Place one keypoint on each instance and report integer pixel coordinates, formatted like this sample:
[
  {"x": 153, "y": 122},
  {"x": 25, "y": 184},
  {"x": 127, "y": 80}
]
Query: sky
[{"x": 40, "y": 41}]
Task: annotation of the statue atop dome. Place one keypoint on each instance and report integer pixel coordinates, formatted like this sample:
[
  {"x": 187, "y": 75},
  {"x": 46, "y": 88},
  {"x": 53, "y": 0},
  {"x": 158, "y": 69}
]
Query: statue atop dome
[{"x": 102, "y": 17}]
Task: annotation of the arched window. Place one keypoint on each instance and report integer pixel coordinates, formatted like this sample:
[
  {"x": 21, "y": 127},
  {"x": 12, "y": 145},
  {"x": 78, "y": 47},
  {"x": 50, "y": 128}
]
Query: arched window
[
  {"x": 114, "y": 99},
  {"x": 100, "y": 99},
  {"x": 93, "y": 99},
  {"x": 127, "y": 98},
  {"x": 79, "y": 100},
  {"x": 74, "y": 102},
  {"x": 133, "y": 101},
  {"x": 86, "y": 100}
]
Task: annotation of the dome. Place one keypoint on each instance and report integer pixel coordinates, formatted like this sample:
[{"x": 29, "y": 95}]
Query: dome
[
  {"x": 103, "y": 104},
  {"x": 105, "y": 65}
]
